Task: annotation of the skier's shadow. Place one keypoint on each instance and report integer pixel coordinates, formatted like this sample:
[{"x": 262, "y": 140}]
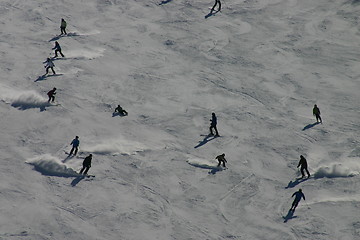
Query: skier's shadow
[
  {"x": 207, "y": 139},
  {"x": 290, "y": 215},
  {"x": 77, "y": 180},
  {"x": 296, "y": 182},
  {"x": 211, "y": 14},
  {"x": 165, "y": 2},
  {"x": 118, "y": 114},
  {"x": 310, "y": 126}
]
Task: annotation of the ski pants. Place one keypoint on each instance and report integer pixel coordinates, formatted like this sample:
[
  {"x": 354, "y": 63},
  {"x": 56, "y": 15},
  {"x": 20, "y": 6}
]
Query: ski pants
[{"x": 72, "y": 150}]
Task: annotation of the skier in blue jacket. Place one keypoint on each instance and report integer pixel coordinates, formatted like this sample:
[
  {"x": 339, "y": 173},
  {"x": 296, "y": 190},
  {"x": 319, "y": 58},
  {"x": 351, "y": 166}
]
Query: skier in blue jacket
[{"x": 75, "y": 143}]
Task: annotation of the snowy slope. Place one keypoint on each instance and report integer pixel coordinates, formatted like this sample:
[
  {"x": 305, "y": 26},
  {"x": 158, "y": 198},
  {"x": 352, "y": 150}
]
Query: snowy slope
[{"x": 259, "y": 65}]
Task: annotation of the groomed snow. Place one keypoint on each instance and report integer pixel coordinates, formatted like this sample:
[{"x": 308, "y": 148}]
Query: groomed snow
[{"x": 260, "y": 65}]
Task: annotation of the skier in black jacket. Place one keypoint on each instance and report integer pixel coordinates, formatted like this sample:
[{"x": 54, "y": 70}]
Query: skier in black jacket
[
  {"x": 57, "y": 49},
  {"x": 86, "y": 164},
  {"x": 213, "y": 125},
  {"x": 304, "y": 166},
  {"x": 221, "y": 159},
  {"x": 298, "y": 195}
]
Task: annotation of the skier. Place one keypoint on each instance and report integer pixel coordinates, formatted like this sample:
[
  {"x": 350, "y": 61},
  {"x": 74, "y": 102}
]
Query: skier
[
  {"x": 86, "y": 164},
  {"x": 120, "y": 110},
  {"x": 49, "y": 65},
  {"x": 316, "y": 113},
  {"x": 51, "y": 95},
  {"x": 75, "y": 143},
  {"x": 63, "y": 26},
  {"x": 304, "y": 166},
  {"x": 213, "y": 125},
  {"x": 57, "y": 49},
  {"x": 221, "y": 159},
  {"x": 298, "y": 195},
  {"x": 216, "y": 2}
]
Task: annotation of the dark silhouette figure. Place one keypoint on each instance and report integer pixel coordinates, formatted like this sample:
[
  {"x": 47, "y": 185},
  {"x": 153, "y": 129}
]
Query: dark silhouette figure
[
  {"x": 120, "y": 110},
  {"x": 63, "y": 26},
  {"x": 57, "y": 49},
  {"x": 304, "y": 166},
  {"x": 86, "y": 164},
  {"x": 316, "y": 113},
  {"x": 75, "y": 143},
  {"x": 216, "y": 3},
  {"x": 221, "y": 159},
  {"x": 49, "y": 65},
  {"x": 213, "y": 125},
  {"x": 51, "y": 95},
  {"x": 298, "y": 195}
]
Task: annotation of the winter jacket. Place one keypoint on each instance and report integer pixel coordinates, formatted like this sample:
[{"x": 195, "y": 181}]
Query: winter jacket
[
  {"x": 63, "y": 24},
  {"x": 316, "y": 111},
  {"x": 298, "y": 195},
  {"x": 50, "y": 64},
  {"x": 75, "y": 142}
]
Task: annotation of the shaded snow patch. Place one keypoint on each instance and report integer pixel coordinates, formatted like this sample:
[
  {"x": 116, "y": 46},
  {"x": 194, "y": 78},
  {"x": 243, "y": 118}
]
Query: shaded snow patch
[
  {"x": 51, "y": 166},
  {"x": 202, "y": 163},
  {"x": 23, "y": 99}
]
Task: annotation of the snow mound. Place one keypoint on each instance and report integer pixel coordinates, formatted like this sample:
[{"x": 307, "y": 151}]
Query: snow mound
[
  {"x": 335, "y": 170},
  {"x": 202, "y": 163},
  {"x": 51, "y": 166}
]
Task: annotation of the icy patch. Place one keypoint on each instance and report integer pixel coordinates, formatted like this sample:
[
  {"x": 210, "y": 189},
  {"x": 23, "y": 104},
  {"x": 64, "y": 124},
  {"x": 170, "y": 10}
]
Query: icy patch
[
  {"x": 202, "y": 163},
  {"x": 51, "y": 166},
  {"x": 116, "y": 147},
  {"x": 346, "y": 169}
]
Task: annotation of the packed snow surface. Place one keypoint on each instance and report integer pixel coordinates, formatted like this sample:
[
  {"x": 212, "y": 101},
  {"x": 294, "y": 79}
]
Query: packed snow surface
[{"x": 260, "y": 65}]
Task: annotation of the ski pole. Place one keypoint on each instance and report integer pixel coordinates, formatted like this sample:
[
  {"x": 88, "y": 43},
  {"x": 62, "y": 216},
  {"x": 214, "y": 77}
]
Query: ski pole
[{"x": 307, "y": 204}]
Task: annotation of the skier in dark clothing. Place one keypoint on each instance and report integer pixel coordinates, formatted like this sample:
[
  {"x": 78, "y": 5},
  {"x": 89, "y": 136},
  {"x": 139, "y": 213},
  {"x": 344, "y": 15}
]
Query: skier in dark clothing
[
  {"x": 120, "y": 110},
  {"x": 216, "y": 3},
  {"x": 221, "y": 159},
  {"x": 63, "y": 26},
  {"x": 49, "y": 65},
  {"x": 213, "y": 125},
  {"x": 75, "y": 143},
  {"x": 57, "y": 49},
  {"x": 298, "y": 195},
  {"x": 316, "y": 113},
  {"x": 86, "y": 164},
  {"x": 51, "y": 95},
  {"x": 304, "y": 166}
]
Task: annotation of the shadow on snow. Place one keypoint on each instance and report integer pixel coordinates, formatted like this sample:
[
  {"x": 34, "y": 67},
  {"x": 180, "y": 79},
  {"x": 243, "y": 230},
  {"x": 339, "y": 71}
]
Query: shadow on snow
[
  {"x": 310, "y": 126},
  {"x": 290, "y": 215}
]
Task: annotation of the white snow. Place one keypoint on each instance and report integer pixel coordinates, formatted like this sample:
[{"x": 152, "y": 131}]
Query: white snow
[{"x": 260, "y": 65}]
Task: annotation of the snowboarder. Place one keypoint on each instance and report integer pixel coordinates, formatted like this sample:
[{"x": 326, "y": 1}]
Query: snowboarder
[
  {"x": 216, "y": 3},
  {"x": 298, "y": 195},
  {"x": 75, "y": 143},
  {"x": 304, "y": 166},
  {"x": 51, "y": 95},
  {"x": 120, "y": 110},
  {"x": 57, "y": 49},
  {"x": 213, "y": 125},
  {"x": 86, "y": 164},
  {"x": 316, "y": 113},
  {"x": 63, "y": 26},
  {"x": 49, "y": 65},
  {"x": 221, "y": 159}
]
